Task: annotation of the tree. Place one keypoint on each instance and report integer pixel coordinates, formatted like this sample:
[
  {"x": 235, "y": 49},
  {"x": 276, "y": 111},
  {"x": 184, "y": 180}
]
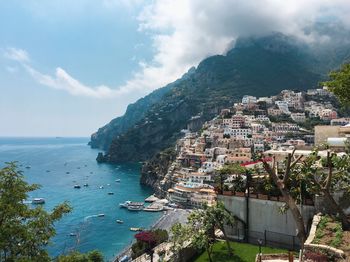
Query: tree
[
  {"x": 179, "y": 236},
  {"x": 229, "y": 169},
  {"x": 326, "y": 175},
  {"x": 339, "y": 84},
  {"x": 221, "y": 217},
  {"x": 25, "y": 231},
  {"x": 200, "y": 229},
  {"x": 283, "y": 181},
  {"x": 92, "y": 256}
]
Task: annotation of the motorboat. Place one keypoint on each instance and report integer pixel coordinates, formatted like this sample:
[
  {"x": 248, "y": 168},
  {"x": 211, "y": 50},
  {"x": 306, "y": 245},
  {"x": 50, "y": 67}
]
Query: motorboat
[
  {"x": 136, "y": 229},
  {"x": 117, "y": 180},
  {"x": 101, "y": 215},
  {"x": 134, "y": 208},
  {"x": 72, "y": 234},
  {"x": 101, "y": 187},
  {"x": 38, "y": 201},
  {"x": 28, "y": 167},
  {"x": 130, "y": 203},
  {"x": 154, "y": 208},
  {"x": 86, "y": 185},
  {"x": 119, "y": 221},
  {"x": 110, "y": 193},
  {"x": 77, "y": 186}
]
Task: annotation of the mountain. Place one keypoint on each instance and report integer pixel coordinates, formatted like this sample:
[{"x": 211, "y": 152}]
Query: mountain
[{"x": 257, "y": 66}]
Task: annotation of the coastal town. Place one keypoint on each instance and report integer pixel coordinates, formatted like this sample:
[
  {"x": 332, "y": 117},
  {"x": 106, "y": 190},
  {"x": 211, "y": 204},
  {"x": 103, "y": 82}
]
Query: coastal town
[
  {"x": 251, "y": 128},
  {"x": 223, "y": 161}
]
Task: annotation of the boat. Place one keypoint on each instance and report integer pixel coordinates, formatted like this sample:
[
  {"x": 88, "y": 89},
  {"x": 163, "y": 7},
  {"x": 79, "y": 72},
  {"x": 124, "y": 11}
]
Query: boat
[
  {"x": 153, "y": 208},
  {"x": 134, "y": 208},
  {"x": 101, "y": 215},
  {"x": 38, "y": 201},
  {"x": 110, "y": 193},
  {"x": 117, "y": 180},
  {"x": 108, "y": 184},
  {"x": 119, "y": 221},
  {"x": 67, "y": 172},
  {"x": 72, "y": 234},
  {"x": 101, "y": 187},
  {"x": 136, "y": 229},
  {"x": 47, "y": 171},
  {"x": 28, "y": 167},
  {"x": 77, "y": 186},
  {"x": 130, "y": 203},
  {"x": 86, "y": 185}
]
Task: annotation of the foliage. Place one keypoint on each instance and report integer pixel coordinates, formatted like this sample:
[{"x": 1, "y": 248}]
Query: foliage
[
  {"x": 310, "y": 123},
  {"x": 332, "y": 228},
  {"x": 92, "y": 256},
  {"x": 339, "y": 84},
  {"x": 242, "y": 252},
  {"x": 326, "y": 175},
  {"x": 179, "y": 236},
  {"x": 201, "y": 226},
  {"x": 25, "y": 231},
  {"x": 147, "y": 240}
]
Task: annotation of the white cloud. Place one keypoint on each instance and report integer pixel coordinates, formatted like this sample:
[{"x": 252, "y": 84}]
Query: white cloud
[
  {"x": 186, "y": 31},
  {"x": 18, "y": 55}
]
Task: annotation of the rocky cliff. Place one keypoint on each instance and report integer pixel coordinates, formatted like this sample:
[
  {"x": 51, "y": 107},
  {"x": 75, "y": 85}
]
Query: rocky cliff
[{"x": 255, "y": 66}]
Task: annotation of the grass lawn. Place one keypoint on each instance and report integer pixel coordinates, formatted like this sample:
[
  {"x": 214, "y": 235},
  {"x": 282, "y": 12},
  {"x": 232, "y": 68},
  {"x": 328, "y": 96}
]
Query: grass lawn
[{"x": 242, "y": 252}]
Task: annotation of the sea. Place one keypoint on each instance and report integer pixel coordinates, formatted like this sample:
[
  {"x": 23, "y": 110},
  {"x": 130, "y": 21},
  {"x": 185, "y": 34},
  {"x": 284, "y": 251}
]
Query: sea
[{"x": 57, "y": 164}]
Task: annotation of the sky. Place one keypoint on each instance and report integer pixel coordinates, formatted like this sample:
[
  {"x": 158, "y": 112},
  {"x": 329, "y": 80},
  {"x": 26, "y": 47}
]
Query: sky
[{"x": 69, "y": 67}]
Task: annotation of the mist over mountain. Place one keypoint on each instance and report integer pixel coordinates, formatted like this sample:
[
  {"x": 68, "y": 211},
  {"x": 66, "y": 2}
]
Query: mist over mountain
[{"x": 260, "y": 66}]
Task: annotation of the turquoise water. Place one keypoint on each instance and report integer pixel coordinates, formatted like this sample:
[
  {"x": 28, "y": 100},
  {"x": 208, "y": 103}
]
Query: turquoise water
[{"x": 50, "y": 159}]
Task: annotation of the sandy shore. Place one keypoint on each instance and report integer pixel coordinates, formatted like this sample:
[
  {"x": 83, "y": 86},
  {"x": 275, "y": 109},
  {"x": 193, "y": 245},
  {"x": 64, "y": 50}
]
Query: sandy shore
[{"x": 166, "y": 221}]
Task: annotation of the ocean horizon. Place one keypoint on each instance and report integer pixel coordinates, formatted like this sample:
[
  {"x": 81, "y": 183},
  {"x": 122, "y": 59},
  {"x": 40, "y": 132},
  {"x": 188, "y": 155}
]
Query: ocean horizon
[{"x": 59, "y": 163}]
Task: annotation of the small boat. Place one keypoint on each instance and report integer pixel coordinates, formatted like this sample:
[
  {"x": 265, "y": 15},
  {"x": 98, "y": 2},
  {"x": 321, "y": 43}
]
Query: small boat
[
  {"x": 130, "y": 203},
  {"x": 119, "y": 221},
  {"x": 47, "y": 171},
  {"x": 86, "y": 185},
  {"x": 28, "y": 167},
  {"x": 72, "y": 234},
  {"x": 101, "y": 187},
  {"x": 77, "y": 186},
  {"x": 135, "y": 208},
  {"x": 110, "y": 193},
  {"x": 117, "y": 180},
  {"x": 136, "y": 229},
  {"x": 67, "y": 173},
  {"x": 108, "y": 184},
  {"x": 101, "y": 215},
  {"x": 38, "y": 201},
  {"x": 154, "y": 208}
]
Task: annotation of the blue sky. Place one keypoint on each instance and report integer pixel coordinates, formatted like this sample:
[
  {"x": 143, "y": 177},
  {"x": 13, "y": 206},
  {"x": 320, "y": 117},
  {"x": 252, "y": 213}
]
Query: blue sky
[
  {"x": 69, "y": 67},
  {"x": 95, "y": 43}
]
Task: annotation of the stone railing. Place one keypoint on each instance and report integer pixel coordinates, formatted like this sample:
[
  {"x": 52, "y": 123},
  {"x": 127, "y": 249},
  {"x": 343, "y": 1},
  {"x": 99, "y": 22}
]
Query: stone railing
[
  {"x": 312, "y": 247},
  {"x": 307, "y": 202}
]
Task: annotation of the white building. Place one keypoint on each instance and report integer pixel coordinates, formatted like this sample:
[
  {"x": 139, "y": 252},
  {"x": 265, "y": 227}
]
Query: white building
[
  {"x": 246, "y": 100},
  {"x": 298, "y": 117}
]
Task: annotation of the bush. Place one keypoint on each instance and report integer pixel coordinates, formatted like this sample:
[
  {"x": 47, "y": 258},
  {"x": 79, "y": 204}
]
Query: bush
[{"x": 147, "y": 240}]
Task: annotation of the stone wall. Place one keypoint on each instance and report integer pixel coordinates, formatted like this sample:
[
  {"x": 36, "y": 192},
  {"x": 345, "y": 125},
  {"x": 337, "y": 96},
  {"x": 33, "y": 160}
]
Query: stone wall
[{"x": 264, "y": 215}]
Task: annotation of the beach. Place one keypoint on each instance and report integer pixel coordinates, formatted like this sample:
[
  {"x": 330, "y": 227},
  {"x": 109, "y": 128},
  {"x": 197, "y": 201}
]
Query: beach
[{"x": 166, "y": 221}]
